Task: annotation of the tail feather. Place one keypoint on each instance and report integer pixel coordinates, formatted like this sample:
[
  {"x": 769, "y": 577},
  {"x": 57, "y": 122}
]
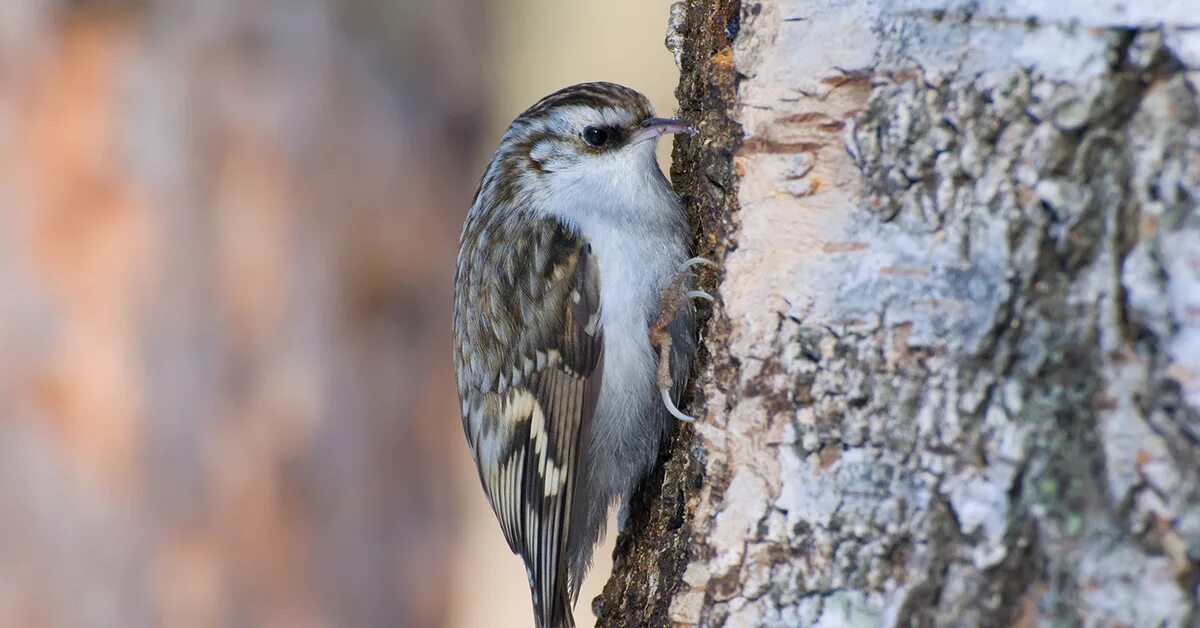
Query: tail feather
[{"x": 557, "y": 614}]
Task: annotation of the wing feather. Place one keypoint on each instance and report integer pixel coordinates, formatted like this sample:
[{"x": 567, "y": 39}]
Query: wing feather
[{"x": 528, "y": 410}]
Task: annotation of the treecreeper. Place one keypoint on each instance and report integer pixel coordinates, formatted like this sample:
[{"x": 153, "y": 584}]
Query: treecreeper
[{"x": 573, "y": 325}]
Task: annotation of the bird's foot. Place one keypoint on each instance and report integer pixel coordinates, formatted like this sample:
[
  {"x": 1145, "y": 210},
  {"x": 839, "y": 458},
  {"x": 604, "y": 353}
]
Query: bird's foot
[
  {"x": 674, "y": 298},
  {"x": 685, "y": 273}
]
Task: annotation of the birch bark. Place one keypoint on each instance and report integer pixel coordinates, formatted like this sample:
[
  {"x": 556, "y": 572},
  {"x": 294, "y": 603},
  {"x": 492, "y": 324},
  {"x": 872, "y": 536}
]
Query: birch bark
[{"x": 953, "y": 373}]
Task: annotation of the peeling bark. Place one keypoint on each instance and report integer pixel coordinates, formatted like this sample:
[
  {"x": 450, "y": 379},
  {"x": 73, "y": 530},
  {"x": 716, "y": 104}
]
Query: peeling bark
[{"x": 953, "y": 375}]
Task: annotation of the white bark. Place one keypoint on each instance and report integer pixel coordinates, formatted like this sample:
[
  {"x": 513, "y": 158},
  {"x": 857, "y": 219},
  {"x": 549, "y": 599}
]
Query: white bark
[{"x": 955, "y": 373}]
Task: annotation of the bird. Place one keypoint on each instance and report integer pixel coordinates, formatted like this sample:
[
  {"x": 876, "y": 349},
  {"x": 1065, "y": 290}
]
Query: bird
[{"x": 573, "y": 325}]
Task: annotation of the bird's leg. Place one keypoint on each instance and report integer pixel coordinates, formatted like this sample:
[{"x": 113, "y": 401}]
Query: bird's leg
[{"x": 674, "y": 297}]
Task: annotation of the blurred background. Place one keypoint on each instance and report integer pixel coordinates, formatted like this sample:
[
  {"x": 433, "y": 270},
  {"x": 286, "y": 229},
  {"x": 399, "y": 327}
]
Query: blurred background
[{"x": 227, "y": 238}]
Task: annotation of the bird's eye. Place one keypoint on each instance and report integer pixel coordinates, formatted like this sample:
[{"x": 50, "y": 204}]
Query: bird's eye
[{"x": 595, "y": 136}]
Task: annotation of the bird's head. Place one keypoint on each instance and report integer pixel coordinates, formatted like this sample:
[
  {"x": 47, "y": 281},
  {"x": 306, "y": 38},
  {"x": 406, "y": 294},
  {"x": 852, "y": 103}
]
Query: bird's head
[
  {"x": 590, "y": 138},
  {"x": 587, "y": 125}
]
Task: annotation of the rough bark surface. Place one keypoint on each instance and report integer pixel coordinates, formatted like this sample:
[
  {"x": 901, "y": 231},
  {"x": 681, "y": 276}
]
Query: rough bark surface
[{"x": 953, "y": 374}]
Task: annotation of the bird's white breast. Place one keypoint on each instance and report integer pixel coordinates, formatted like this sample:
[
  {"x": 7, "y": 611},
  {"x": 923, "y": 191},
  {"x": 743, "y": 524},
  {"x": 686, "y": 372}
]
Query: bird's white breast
[
  {"x": 633, "y": 273},
  {"x": 635, "y": 267}
]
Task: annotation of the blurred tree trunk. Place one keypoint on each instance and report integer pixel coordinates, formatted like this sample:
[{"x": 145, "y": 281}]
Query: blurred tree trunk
[
  {"x": 227, "y": 234},
  {"x": 953, "y": 375}
]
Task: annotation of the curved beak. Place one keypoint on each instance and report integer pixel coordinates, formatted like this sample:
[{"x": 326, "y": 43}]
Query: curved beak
[{"x": 652, "y": 128}]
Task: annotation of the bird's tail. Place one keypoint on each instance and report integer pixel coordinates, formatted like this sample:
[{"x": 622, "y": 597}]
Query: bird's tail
[{"x": 555, "y": 612}]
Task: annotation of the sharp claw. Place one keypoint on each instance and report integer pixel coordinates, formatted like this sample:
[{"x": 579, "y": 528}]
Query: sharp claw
[
  {"x": 675, "y": 412},
  {"x": 697, "y": 261},
  {"x": 699, "y": 294}
]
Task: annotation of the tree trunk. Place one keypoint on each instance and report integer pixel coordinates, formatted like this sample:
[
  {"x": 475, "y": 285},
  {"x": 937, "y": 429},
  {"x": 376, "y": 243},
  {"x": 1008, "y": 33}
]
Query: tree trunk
[{"x": 953, "y": 372}]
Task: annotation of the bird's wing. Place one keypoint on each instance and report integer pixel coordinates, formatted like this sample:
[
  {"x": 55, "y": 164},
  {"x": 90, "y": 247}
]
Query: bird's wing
[{"x": 528, "y": 351}]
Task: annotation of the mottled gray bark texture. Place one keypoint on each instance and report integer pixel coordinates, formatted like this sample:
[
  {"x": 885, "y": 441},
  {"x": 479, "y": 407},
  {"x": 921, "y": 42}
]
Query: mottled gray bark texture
[{"x": 953, "y": 373}]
